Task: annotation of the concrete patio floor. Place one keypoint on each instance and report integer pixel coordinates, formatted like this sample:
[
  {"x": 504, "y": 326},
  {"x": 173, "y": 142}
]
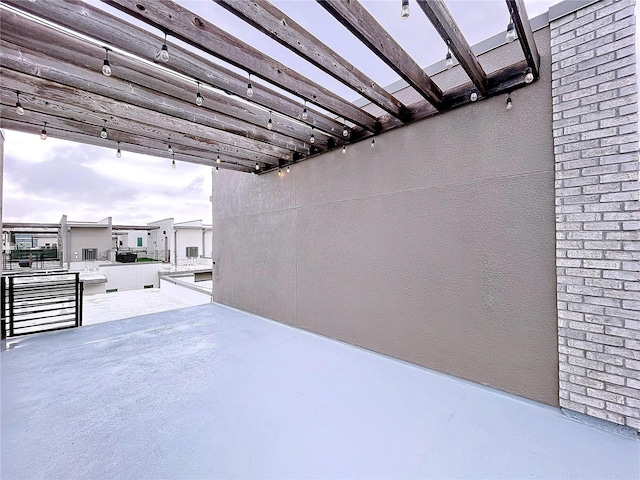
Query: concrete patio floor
[{"x": 211, "y": 392}]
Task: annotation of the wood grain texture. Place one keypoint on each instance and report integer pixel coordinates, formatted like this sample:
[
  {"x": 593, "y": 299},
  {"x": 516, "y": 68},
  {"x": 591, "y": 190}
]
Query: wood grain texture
[
  {"x": 363, "y": 26},
  {"x": 266, "y": 18},
  {"x": 442, "y": 20},
  {"x": 525, "y": 34},
  {"x": 183, "y": 24}
]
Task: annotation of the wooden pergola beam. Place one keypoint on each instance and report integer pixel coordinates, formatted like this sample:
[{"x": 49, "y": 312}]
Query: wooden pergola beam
[
  {"x": 79, "y": 53},
  {"x": 442, "y": 20},
  {"x": 183, "y": 24},
  {"x": 56, "y": 94},
  {"x": 363, "y": 26},
  {"x": 266, "y": 18},
  {"x": 9, "y": 122},
  {"x": 21, "y": 66},
  {"x": 121, "y": 129},
  {"x": 111, "y": 30},
  {"x": 522, "y": 25}
]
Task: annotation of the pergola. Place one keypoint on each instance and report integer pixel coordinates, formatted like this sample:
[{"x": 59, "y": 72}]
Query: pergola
[{"x": 52, "y": 53}]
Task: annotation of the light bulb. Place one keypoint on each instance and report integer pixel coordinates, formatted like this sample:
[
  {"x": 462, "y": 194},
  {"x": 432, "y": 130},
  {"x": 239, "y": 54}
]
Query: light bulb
[
  {"x": 528, "y": 78},
  {"x": 103, "y": 133},
  {"x": 173, "y": 164},
  {"x": 509, "y": 103},
  {"x": 288, "y": 169},
  {"x": 448, "y": 61},
  {"x": 279, "y": 172},
  {"x": 345, "y": 131},
  {"x": 218, "y": 159},
  {"x": 511, "y": 33},
  {"x": 404, "y": 13},
  {"x": 106, "y": 69},
  {"x": 118, "y": 153},
  {"x": 217, "y": 169},
  {"x": 199, "y": 99},
  {"x": 43, "y": 133},
  {"x": 305, "y": 115},
  {"x": 344, "y": 149},
  {"x": 269, "y": 123},
  {"x": 373, "y": 143},
  {"x": 474, "y": 95},
  {"x": 257, "y": 166},
  {"x": 163, "y": 54},
  {"x": 249, "y": 90},
  {"x": 19, "y": 109},
  {"x": 312, "y": 139}
]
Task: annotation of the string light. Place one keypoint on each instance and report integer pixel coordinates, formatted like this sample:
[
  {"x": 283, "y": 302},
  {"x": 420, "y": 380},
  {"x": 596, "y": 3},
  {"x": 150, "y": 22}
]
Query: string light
[
  {"x": 163, "y": 53},
  {"x": 249, "y": 88},
  {"x": 373, "y": 143},
  {"x": 511, "y": 32},
  {"x": 509, "y": 103},
  {"x": 169, "y": 149},
  {"x": 106, "y": 66},
  {"x": 312, "y": 139},
  {"x": 218, "y": 159},
  {"x": 19, "y": 109},
  {"x": 257, "y": 166},
  {"x": 279, "y": 172},
  {"x": 269, "y": 123},
  {"x": 404, "y": 12},
  {"x": 345, "y": 130},
  {"x": 288, "y": 169},
  {"x": 528, "y": 77},
  {"x": 217, "y": 169},
  {"x": 344, "y": 149},
  {"x": 173, "y": 161},
  {"x": 305, "y": 114},
  {"x": 43, "y": 133},
  {"x": 103, "y": 132},
  {"x": 199, "y": 98},
  {"x": 118, "y": 152},
  {"x": 448, "y": 59},
  {"x": 474, "y": 94}
]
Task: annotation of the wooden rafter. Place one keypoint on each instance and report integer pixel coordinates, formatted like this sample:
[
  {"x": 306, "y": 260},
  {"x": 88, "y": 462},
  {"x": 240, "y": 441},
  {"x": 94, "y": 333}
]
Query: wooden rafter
[
  {"x": 93, "y": 22},
  {"x": 55, "y": 93},
  {"x": 9, "y": 121},
  {"x": 121, "y": 129},
  {"x": 363, "y": 26},
  {"x": 111, "y": 93},
  {"x": 525, "y": 34},
  {"x": 183, "y": 24},
  {"x": 266, "y": 18},
  {"x": 440, "y": 17},
  {"x": 235, "y": 113}
]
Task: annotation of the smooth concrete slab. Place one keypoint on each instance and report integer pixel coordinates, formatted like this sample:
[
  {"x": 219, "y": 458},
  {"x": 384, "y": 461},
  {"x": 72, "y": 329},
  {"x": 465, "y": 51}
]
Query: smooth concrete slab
[{"x": 211, "y": 392}]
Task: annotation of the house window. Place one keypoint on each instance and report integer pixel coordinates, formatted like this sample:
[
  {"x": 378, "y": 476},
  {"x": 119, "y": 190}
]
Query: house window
[
  {"x": 139, "y": 241},
  {"x": 89, "y": 253},
  {"x": 192, "y": 252}
]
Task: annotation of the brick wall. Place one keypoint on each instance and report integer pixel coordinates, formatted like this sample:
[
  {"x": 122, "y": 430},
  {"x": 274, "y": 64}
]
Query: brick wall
[{"x": 595, "y": 134}]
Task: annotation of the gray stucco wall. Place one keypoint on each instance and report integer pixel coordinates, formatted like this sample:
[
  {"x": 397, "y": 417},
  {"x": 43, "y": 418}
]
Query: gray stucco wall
[{"x": 436, "y": 247}]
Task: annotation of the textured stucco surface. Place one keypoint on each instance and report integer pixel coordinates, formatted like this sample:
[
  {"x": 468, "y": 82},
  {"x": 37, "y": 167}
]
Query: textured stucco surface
[
  {"x": 436, "y": 247},
  {"x": 210, "y": 392}
]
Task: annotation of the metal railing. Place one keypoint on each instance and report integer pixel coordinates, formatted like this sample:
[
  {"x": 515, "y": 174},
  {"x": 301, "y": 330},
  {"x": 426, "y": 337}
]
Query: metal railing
[{"x": 40, "y": 303}]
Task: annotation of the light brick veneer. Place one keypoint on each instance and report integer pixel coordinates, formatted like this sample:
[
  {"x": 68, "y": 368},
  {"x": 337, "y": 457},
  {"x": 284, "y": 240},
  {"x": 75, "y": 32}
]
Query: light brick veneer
[{"x": 595, "y": 134}]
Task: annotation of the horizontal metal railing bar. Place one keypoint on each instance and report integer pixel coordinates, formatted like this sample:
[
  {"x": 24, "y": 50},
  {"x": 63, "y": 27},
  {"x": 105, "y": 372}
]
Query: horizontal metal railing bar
[
  {"x": 42, "y": 331},
  {"x": 25, "y": 287},
  {"x": 25, "y": 318},
  {"x": 44, "y": 301},
  {"x": 60, "y": 320}
]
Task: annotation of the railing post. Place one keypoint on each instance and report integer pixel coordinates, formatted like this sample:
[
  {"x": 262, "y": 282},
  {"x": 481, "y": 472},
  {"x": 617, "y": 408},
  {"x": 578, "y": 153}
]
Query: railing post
[
  {"x": 11, "y": 279},
  {"x": 3, "y": 306},
  {"x": 81, "y": 303}
]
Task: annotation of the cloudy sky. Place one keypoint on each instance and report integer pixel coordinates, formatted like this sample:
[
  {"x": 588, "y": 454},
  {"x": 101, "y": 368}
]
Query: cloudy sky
[{"x": 45, "y": 179}]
